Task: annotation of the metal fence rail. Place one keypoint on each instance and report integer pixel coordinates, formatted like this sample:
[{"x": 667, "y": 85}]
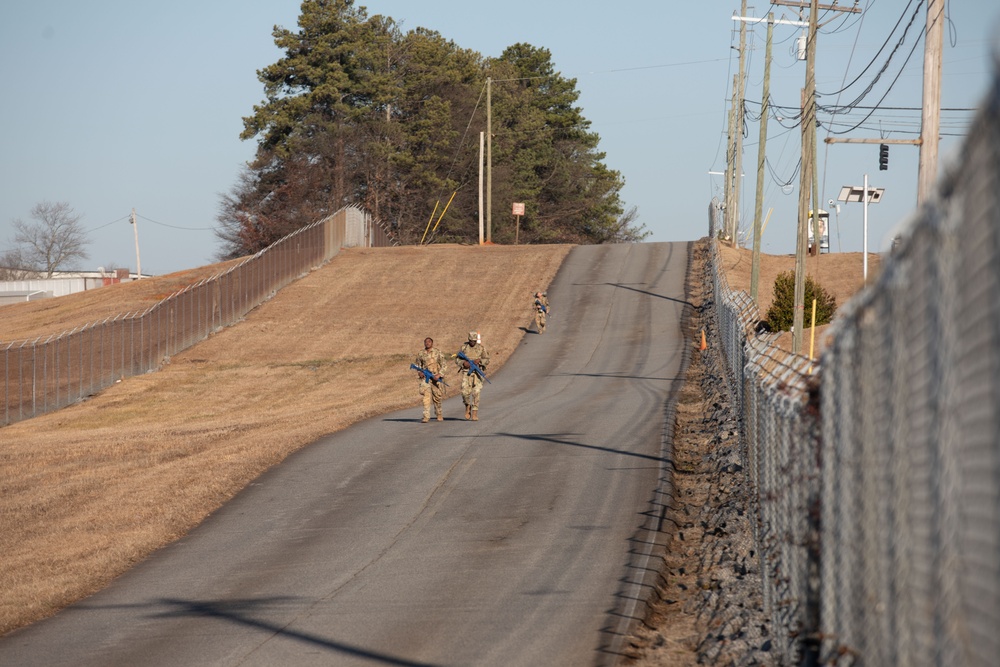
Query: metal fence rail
[
  {"x": 51, "y": 372},
  {"x": 878, "y": 477}
]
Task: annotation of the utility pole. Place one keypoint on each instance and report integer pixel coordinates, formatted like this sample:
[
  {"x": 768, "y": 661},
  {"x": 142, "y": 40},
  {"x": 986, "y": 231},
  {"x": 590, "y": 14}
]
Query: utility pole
[
  {"x": 808, "y": 160},
  {"x": 730, "y": 166},
  {"x": 135, "y": 228},
  {"x": 489, "y": 160},
  {"x": 738, "y": 103},
  {"x": 930, "y": 120},
  {"x": 481, "y": 138},
  {"x": 759, "y": 199},
  {"x": 761, "y": 154},
  {"x": 805, "y": 180}
]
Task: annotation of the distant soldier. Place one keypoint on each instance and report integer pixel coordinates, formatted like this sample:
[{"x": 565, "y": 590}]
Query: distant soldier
[
  {"x": 541, "y": 306},
  {"x": 432, "y": 391},
  {"x": 472, "y": 383}
]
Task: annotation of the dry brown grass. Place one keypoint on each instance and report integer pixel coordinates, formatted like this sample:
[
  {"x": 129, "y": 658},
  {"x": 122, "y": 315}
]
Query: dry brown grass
[
  {"x": 53, "y": 316},
  {"x": 88, "y": 491}
]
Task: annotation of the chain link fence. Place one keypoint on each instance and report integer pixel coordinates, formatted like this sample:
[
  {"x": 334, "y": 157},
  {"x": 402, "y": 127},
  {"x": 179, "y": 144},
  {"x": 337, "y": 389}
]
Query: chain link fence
[
  {"x": 877, "y": 470},
  {"x": 48, "y": 373}
]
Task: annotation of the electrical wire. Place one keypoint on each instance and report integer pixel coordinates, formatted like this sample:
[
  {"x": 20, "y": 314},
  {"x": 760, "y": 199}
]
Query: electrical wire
[
  {"x": 774, "y": 176},
  {"x": 877, "y": 53},
  {"x": 644, "y": 67},
  {"x": 888, "y": 90},
  {"x": 854, "y": 46},
  {"x": 723, "y": 132},
  {"x": 187, "y": 229},
  {"x": 108, "y": 224},
  {"x": 885, "y": 66}
]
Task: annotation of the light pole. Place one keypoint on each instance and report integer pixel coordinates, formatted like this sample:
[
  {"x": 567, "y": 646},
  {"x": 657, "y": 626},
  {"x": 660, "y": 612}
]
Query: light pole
[
  {"x": 850, "y": 193},
  {"x": 138, "y": 263},
  {"x": 836, "y": 207}
]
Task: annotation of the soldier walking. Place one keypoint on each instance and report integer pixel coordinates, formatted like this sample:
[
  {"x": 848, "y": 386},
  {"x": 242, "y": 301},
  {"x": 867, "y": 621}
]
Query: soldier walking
[
  {"x": 432, "y": 391},
  {"x": 541, "y": 306},
  {"x": 472, "y": 383}
]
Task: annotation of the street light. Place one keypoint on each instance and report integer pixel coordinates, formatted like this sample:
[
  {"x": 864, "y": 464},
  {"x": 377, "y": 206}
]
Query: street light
[
  {"x": 853, "y": 193},
  {"x": 836, "y": 207}
]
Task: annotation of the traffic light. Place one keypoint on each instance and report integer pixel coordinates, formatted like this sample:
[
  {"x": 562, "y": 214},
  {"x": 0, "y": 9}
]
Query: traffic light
[{"x": 883, "y": 157}]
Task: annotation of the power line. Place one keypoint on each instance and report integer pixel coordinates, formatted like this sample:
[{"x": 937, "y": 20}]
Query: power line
[
  {"x": 108, "y": 224},
  {"x": 188, "y": 229},
  {"x": 889, "y": 89},
  {"x": 633, "y": 69},
  {"x": 877, "y": 53},
  {"x": 885, "y": 66}
]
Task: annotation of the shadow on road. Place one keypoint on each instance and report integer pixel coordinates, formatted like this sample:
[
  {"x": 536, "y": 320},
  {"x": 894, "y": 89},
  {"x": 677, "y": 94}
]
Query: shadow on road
[
  {"x": 640, "y": 291},
  {"x": 560, "y": 439},
  {"x": 241, "y": 612}
]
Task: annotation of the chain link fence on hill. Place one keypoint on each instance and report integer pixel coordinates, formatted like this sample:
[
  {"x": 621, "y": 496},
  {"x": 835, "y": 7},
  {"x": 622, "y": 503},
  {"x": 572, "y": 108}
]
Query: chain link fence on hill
[
  {"x": 51, "y": 372},
  {"x": 877, "y": 470}
]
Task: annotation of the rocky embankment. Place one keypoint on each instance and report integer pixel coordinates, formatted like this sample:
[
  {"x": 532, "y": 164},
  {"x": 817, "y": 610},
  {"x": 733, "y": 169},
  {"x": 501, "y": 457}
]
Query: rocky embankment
[{"x": 709, "y": 609}]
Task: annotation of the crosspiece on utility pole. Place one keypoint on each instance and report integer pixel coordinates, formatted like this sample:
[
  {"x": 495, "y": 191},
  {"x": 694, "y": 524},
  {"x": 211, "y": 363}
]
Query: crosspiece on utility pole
[
  {"x": 837, "y": 140},
  {"x": 803, "y": 5}
]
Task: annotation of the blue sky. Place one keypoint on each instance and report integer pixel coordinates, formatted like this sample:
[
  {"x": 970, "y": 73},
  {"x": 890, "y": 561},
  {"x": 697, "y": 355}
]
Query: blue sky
[{"x": 111, "y": 105}]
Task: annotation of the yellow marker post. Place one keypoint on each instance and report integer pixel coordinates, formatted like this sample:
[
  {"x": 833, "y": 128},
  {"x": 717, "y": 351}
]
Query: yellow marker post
[
  {"x": 445, "y": 209},
  {"x": 812, "y": 336},
  {"x": 428, "y": 227}
]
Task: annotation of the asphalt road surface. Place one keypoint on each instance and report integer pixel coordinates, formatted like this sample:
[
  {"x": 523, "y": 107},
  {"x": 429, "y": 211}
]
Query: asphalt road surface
[{"x": 527, "y": 538}]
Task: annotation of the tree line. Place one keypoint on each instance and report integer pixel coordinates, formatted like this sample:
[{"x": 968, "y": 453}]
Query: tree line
[{"x": 357, "y": 111}]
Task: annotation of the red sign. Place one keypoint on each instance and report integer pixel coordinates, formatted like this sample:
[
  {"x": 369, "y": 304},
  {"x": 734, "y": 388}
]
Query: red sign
[{"x": 518, "y": 208}]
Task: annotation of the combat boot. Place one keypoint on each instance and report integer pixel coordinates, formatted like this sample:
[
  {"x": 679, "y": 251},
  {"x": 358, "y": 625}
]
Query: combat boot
[
  {"x": 475, "y": 414},
  {"x": 468, "y": 412},
  {"x": 440, "y": 417},
  {"x": 425, "y": 419}
]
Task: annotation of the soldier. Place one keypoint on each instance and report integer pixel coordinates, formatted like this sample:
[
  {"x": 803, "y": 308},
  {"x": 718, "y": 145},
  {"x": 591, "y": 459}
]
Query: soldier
[
  {"x": 432, "y": 359},
  {"x": 541, "y": 306},
  {"x": 472, "y": 383}
]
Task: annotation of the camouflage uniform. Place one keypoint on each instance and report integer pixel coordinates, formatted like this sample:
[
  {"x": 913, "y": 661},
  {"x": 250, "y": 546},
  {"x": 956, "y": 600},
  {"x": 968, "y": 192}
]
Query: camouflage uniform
[
  {"x": 472, "y": 384},
  {"x": 540, "y": 299},
  {"x": 432, "y": 392}
]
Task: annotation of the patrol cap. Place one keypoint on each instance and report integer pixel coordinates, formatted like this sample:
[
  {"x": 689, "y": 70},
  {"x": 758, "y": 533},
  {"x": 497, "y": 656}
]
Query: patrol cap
[{"x": 473, "y": 335}]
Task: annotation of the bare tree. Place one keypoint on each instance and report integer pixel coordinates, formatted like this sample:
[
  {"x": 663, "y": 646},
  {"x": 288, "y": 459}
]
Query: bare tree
[
  {"x": 53, "y": 241},
  {"x": 13, "y": 266}
]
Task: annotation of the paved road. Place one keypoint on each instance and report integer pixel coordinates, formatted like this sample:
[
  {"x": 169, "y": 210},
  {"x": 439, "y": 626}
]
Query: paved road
[{"x": 527, "y": 538}]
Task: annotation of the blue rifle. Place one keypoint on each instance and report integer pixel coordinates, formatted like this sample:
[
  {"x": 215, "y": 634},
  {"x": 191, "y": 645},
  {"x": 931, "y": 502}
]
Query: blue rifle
[
  {"x": 473, "y": 366},
  {"x": 428, "y": 375},
  {"x": 542, "y": 306}
]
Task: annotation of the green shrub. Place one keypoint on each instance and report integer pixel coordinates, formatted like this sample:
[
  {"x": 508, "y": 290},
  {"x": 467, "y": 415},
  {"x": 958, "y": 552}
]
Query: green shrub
[{"x": 781, "y": 314}]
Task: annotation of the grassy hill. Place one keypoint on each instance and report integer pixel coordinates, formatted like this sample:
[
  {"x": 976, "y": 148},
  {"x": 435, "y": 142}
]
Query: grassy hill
[{"x": 92, "y": 489}]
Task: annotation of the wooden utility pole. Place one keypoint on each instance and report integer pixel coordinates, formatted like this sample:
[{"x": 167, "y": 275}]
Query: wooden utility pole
[
  {"x": 805, "y": 180},
  {"x": 730, "y": 165},
  {"x": 759, "y": 199},
  {"x": 489, "y": 160},
  {"x": 481, "y": 158},
  {"x": 758, "y": 228},
  {"x": 808, "y": 123},
  {"x": 930, "y": 121},
  {"x": 738, "y": 103}
]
